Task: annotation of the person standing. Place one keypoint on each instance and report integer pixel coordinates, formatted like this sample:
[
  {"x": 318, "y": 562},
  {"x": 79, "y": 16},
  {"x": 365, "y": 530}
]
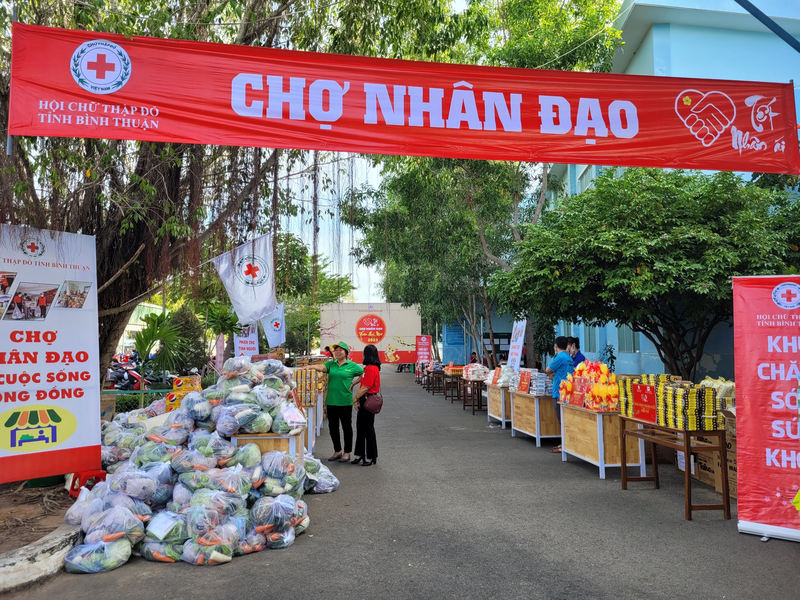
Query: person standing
[
  {"x": 366, "y": 450},
  {"x": 574, "y": 350},
  {"x": 339, "y": 398},
  {"x": 4, "y": 285},
  {"x": 42, "y": 301},
  {"x": 559, "y": 368}
]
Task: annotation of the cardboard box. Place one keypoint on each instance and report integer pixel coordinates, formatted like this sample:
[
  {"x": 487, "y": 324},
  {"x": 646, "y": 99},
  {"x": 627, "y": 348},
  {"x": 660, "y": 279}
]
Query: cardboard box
[
  {"x": 707, "y": 468},
  {"x": 732, "y": 466},
  {"x": 190, "y": 383},
  {"x": 174, "y": 400},
  {"x": 108, "y": 407},
  {"x": 680, "y": 463}
]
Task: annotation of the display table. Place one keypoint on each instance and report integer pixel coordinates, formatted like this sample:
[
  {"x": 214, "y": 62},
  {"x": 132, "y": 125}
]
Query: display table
[
  {"x": 498, "y": 404},
  {"x": 534, "y": 416},
  {"x": 437, "y": 382},
  {"x": 315, "y": 418},
  {"x": 682, "y": 441},
  {"x": 472, "y": 395},
  {"x": 594, "y": 437},
  {"x": 451, "y": 388},
  {"x": 266, "y": 442}
]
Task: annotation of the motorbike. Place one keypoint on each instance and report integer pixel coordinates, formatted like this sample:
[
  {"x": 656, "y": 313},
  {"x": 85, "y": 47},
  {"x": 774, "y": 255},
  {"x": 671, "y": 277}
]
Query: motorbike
[{"x": 125, "y": 377}]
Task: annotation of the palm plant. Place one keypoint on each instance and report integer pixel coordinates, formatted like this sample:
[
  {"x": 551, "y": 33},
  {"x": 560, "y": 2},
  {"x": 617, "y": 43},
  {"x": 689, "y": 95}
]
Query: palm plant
[{"x": 163, "y": 338}]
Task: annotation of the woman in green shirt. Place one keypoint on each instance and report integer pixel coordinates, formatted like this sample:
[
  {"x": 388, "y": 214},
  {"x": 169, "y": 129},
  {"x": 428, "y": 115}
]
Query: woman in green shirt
[{"x": 339, "y": 398}]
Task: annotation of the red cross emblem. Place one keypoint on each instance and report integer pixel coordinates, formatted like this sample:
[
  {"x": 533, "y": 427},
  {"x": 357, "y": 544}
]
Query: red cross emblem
[
  {"x": 100, "y": 66},
  {"x": 789, "y": 296},
  {"x": 32, "y": 247},
  {"x": 251, "y": 270}
]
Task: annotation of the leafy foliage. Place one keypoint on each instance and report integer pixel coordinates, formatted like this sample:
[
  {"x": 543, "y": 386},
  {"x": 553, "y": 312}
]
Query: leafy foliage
[
  {"x": 655, "y": 250},
  {"x": 194, "y": 335},
  {"x": 162, "y": 337}
]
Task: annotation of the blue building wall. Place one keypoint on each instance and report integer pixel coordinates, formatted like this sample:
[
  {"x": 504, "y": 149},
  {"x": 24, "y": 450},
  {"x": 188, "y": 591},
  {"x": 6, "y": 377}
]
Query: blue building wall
[{"x": 457, "y": 347}]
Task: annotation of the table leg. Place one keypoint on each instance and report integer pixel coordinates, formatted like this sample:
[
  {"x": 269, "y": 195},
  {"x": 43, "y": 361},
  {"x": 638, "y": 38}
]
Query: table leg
[
  {"x": 601, "y": 448},
  {"x": 723, "y": 461},
  {"x": 537, "y": 422},
  {"x": 563, "y": 451},
  {"x": 687, "y": 475},
  {"x": 655, "y": 465},
  {"x": 623, "y": 455}
]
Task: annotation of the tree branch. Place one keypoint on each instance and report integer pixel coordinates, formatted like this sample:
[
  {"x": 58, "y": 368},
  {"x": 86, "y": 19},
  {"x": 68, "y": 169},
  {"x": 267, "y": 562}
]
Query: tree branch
[
  {"x": 542, "y": 195},
  {"x": 122, "y": 270},
  {"x": 495, "y": 259}
]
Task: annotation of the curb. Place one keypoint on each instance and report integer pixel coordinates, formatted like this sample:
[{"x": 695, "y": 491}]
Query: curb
[{"x": 38, "y": 560}]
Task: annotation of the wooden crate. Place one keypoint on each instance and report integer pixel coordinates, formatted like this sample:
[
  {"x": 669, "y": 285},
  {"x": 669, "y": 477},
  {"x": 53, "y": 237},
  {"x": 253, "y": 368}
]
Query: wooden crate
[
  {"x": 595, "y": 438},
  {"x": 266, "y": 442},
  {"x": 499, "y": 404},
  {"x": 523, "y": 416}
]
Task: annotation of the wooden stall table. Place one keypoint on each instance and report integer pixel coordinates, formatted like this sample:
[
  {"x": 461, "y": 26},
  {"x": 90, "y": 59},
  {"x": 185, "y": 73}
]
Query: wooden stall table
[
  {"x": 498, "y": 404},
  {"x": 437, "y": 382},
  {"x": 534, "y": 416},
  {"x": 266, "y": 442},
  {"x": 682, "y": 441},
  {"x": 594, "y": 437},
  {"x": 451, "y": 388},
  {"x": 472, "y": 395}
]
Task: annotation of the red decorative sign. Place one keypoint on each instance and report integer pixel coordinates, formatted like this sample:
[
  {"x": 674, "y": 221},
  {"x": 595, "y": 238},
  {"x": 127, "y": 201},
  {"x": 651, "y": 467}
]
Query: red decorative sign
[
  {"x": 99, "y": 85},
  {"x": 524, "y": 382},
  {"x": 766, "y": 323},
  {"x": 644, "y": 403},
  {"x": 424, "y": 348},
  {"x": 496, "y": 376},
  {"x": 371, "y": 329}
]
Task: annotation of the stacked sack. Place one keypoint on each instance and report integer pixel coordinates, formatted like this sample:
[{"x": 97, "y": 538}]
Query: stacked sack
[{"x": 182, "y": 491}]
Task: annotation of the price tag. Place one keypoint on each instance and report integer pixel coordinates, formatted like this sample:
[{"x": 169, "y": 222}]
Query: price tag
[
  {"x": 524, "y": 382},
  {"x": 496, "y": 376}
]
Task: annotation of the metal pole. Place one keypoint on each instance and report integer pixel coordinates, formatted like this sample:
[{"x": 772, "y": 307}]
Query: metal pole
[
  {"x": 10, "y": 139},
  {"x": 769, "y": 24}
]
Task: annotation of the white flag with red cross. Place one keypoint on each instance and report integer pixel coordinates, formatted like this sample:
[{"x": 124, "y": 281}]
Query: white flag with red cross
[
  {"x": 274, "y": 327},
  {"x": 246, "y": 273}
]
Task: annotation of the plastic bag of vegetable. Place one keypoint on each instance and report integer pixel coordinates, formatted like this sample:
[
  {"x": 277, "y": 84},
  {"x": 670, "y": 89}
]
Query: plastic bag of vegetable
[
  {"x": 301, "y": 520},
  {"x": 168, "y": 552},
  {"x": 290, "y": 420},
  {"x": 152, "y": 452},
  {"x": 140, "y": 509},
  {"x": 238, "y": 365},
  {"x": 157, "y": 407},
  {"x": 206, "y": 425},
  {"x": 226, "y": 534},
  {"x": 221, "y": 449},
  {"x": 232, "y": 385},
  {"x": 160, "y": 471},
  {"x": 248, "y": 455},
  {"x": 113, "y": 524},
  {"x": 311, "y": 464},
  {"x": 99, "y": 557},
  {"x": 111, "y": 455},
  {"x": 196, "y": 554},
  {"x": 256, "y": 475},
  {"x": 199, "y": 520},
  {"x": 214, "y": 395},
  {"x": 273, "y": 367},
  {"x": 181, "y": 494},
  {"x": 194, "y": 480},
  {"x": 325, "y": 482},
  {"x": 278, "y": 464},
  {"x": 274, "y": 382},
  {"x": 252, "y": 542},
  {"x": 133, "y": 417},
  {"x": 222, "y": 502},
  {"x": 273, "y": 514},
  {"x": 119, "y": 436},
  {"x": 196, "y": 406},
  {"x": 280, "y": 539},
  {"x": 136, "y": 484},
  {"x": 75, "y": 512},
  {"x": 261, "y": 424},
  {"x": 239, "y": 398},
  {"x": 167, "y": 435},
  {"x": 295, "y": 484},
  {"x": 266, "y": 397},
  {"x": 167, "y": 526},
  {"x": 90, "y": 512},
  {"x": 234, "y": 481},
  {"x": 180, "y": 419},
  {"x": 192, "y": 460},
  {"x": 198, "y": 440}
]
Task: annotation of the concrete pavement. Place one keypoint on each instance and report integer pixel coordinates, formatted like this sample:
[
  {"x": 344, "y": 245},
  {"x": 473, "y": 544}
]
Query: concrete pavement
[{"x": 456, "y": 508}]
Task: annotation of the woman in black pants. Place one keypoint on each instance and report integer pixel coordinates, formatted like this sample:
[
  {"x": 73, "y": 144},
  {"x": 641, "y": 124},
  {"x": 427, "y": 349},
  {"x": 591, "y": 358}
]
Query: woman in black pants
[{"x": 366, "y": 450}]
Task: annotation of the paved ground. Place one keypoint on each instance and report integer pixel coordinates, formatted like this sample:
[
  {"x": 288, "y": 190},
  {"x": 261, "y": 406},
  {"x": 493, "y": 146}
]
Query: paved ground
[{"x": 459, "y": 509}]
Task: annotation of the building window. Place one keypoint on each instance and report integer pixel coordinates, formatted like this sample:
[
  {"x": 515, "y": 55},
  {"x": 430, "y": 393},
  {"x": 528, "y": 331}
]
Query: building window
[
  {"x": 567, "y": 328},
  {"x": 628, "y": 339},
  {"x": 585, "y": 180},
  {"x": 590, "y": 339}
]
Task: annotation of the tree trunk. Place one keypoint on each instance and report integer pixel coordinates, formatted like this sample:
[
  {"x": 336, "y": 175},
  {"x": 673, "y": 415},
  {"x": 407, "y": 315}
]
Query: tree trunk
[
  {"x": 529, "y": 345},
  {"x": 493, "y": 361}
]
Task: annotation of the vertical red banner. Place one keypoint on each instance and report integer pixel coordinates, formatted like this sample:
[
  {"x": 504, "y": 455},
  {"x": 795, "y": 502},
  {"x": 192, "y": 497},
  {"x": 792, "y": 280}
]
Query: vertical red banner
[
  {"x": 767, "y": 348},
  {"x": 424, "y": 348}
]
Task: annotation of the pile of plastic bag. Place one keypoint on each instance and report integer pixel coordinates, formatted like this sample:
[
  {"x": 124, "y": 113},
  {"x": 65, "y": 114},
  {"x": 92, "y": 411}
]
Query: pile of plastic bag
[
  {"x": 506, "y": 376},
  {"x": 475, "y": 372},
  {"x": 182, "y": 491}
]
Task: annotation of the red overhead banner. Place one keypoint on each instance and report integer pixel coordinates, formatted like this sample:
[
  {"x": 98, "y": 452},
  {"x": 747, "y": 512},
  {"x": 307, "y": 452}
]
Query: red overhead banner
[
  {"x": 97, "y": 85},
  {"x": 766, "y": 323}
]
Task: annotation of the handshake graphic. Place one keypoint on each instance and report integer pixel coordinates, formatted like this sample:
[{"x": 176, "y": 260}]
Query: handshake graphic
[{"x": 706, "y": 115}]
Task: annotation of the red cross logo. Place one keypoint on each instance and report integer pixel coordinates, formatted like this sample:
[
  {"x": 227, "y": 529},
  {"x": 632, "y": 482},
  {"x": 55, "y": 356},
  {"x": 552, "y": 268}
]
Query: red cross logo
[
  {"x": 251, "y": 270},
  {"x": 32, "y": 247},
  {"x": 100, "y": 66},
  {"x": 789, "y": 296}
]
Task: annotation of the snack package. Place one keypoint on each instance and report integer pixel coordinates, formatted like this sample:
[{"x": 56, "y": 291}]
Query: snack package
[{"x": 98, "y": 557}]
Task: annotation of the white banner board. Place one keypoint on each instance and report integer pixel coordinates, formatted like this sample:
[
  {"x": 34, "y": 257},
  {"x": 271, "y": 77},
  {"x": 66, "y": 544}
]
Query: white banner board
[
  {"x": 517, "y": 343},
  {"x": 246, "y": 343}
]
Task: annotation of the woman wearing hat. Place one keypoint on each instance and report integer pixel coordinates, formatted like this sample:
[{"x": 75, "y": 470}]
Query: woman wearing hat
[{"x": 339, "y": 398}]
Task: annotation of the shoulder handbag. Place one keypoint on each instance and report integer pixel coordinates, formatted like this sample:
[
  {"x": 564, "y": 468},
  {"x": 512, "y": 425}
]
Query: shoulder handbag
[{"x": 373, "y": 402}]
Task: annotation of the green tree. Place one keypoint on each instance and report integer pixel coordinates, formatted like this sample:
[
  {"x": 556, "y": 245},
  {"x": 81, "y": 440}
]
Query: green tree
[
  {"x": 193, "y": 333},
  {"x": 655, "y": 250}
]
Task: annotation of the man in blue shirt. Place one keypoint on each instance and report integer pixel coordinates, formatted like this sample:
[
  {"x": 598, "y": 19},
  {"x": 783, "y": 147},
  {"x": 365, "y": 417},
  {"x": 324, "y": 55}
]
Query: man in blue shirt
[
  {"x": 574, "y": 350},
  {"x": 559, "y": 368}
]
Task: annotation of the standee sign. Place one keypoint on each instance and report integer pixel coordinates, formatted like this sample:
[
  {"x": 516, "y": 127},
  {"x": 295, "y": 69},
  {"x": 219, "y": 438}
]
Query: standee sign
[
  {"x": 49, "y": 356},
  {"x": 767, "y": 353},
  {"x": 97, "y": 85}
]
